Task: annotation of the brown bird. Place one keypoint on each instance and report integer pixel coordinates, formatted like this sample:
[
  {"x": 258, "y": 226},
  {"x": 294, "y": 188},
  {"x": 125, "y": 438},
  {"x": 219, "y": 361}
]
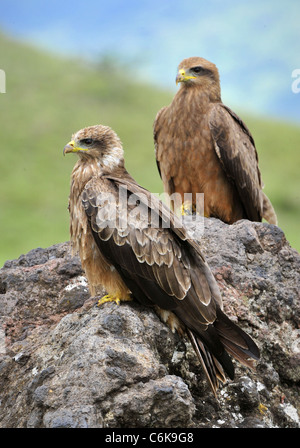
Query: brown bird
[
  {"x": 204, "y": 147},
  {"x": 134, "y": 246}
]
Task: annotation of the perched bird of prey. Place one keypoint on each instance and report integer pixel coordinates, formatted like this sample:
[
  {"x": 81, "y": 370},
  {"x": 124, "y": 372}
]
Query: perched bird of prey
[
  {"x": 204, "y": 147},
  {"x": 134, "y": 246}
]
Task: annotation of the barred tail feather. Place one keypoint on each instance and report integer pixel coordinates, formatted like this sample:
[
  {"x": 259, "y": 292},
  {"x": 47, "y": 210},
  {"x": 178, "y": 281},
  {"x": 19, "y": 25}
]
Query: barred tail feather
[
  {"x": 235, "y": 343},
  {"x": 212, "y": 368},
  {"x": 269, "y": 213}
]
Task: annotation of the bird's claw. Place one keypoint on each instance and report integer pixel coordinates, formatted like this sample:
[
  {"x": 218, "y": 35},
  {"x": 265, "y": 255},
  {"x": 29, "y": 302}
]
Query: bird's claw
[
  {"x": 112, "y": 298},
  {"x": 188, "y": 209}
]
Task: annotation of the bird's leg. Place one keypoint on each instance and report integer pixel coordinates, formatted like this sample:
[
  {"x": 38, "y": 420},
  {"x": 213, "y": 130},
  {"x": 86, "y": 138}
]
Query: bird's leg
[{"x": 114, "y": 298}]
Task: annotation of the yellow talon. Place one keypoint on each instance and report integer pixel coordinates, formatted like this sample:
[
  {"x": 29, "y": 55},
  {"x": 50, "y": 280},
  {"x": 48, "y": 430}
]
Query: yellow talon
[
  {"x": 112, "y": 298},
  {"x": 188, "y": 209},
  {"x": 262, "y": 408},
  {"x": 108, "y": 298}
]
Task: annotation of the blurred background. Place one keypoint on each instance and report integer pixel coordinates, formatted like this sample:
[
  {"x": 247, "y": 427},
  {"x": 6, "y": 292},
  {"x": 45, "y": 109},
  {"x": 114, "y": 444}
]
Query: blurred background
[{"x": 71, "y": 64}]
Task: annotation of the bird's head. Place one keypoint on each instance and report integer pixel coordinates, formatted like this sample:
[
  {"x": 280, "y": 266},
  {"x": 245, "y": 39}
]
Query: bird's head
[
  {"x": 97, "y": 142},
  {"x": 198, "y": 72}
]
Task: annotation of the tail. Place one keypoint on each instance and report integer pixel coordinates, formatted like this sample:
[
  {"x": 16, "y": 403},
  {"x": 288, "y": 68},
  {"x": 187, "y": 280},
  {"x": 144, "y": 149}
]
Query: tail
[
  {"x": 212, "y": 368},
  {"x": 234, "y": 341},
  {"x": 268, "y": 211}
]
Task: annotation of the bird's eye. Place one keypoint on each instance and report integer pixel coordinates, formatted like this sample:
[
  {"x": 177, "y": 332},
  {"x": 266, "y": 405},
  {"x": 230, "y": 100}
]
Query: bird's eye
[
  {"x": 197, "y": 69},
  {"x": 87, "y": 141}
]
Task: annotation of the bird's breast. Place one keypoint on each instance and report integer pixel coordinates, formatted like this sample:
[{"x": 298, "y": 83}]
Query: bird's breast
[{"x": 188, "y": 160}]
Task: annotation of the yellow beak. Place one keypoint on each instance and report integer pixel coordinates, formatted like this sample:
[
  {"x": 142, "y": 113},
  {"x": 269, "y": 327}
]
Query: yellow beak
[
  {"x": 182, "y": 77},
  {"x": 70, "y": 147}
]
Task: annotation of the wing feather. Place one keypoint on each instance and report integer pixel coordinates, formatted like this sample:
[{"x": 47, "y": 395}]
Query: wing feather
[
  {"x": 236, "y": 150},
  {"x": 156, "y": 129},
  {"x": 153, "y": 253},
  {"x": 163, "y": 267}
]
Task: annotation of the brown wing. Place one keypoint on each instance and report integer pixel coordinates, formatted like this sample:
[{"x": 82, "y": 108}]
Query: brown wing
[
  {"x": 156, "y": 130},
  {"x": 162, "y": 266},
  {"x": 236, "y": 150},
  {"x": 154, "y": 258},
  {"x": 165, "y": 151}
]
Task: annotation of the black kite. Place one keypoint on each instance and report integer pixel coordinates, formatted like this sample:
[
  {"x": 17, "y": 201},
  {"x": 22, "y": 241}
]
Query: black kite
[
  {"x": 147, "y": 255},
  {"x": 204, "y": 147}
]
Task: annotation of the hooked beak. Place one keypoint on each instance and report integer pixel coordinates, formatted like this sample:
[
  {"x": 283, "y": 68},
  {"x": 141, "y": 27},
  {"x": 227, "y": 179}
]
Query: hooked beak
[
  {"x": 70, "y": 147},
  {"x": 182, "y": 77}
]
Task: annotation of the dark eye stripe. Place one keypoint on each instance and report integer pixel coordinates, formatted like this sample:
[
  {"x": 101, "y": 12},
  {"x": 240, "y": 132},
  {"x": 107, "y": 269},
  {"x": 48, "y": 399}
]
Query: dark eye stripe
[
  {"x": 198, "y": 69},
  {"x": 87, "y": 141},
  {"x": 201, "y": 71}
]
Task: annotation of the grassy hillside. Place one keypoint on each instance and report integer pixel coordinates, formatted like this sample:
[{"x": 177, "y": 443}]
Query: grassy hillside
[{"x": 48, "y": 98}]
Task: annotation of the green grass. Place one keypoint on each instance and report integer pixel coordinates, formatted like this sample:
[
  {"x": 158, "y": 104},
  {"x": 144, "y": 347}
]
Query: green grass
[{"x": 48, "y": 98}]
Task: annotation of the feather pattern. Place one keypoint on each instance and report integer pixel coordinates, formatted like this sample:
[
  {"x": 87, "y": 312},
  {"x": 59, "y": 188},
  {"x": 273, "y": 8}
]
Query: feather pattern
[
  {"x": 235, "y": 148},
  {"x": 165, "y": 267},
  {"x": 111, "y": 226},
  {"x": 202, "y": 146}
]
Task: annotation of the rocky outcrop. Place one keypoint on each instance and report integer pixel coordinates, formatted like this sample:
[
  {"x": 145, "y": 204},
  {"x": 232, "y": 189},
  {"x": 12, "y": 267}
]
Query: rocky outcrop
[{"x": 65, "y": 362}]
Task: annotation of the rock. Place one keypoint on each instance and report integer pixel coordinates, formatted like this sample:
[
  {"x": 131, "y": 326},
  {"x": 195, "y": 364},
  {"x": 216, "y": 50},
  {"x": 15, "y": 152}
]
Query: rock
[{"x": 67, "y": 363}]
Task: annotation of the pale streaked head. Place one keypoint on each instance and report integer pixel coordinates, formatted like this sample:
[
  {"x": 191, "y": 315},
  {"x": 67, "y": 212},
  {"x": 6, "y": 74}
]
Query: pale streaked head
[{"x": 97, "y": 142}]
